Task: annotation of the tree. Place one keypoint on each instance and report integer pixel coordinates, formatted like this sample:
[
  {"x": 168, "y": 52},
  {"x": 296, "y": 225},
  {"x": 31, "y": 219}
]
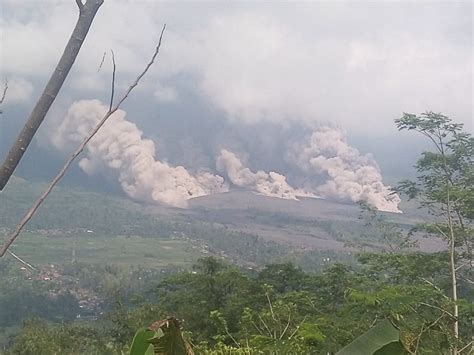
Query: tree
[
  {"x": 112, "y": 109},
  {"x": 87, "y": 12},
  {"x": 163, "y": 337},
  {"x": 383, "y": 338},
  {"x": 4, "y": 94},
  {"x": 445, "y": 186},
  {"x": 377, "y": 226},
  {"x": 213, "y": 286}
]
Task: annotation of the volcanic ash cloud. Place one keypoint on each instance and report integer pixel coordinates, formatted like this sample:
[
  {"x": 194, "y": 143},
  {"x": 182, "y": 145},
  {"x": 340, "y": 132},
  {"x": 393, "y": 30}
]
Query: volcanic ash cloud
[
  {"x": 119, "y": 146},
  {"x": 268, "y": 184},
  {"x": 349, "y": 174}
]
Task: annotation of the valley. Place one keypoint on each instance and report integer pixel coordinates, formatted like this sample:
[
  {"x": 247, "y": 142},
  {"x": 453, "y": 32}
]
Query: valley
[{"x": 240, "y": 226}]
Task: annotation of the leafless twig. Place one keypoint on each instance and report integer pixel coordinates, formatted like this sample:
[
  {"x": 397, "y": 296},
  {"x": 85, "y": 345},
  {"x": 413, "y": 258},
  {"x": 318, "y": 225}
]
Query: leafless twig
[
  {"x": 4, "y": 94},
  {"x": 5, "y": 89},
  {"x": 270, "y": 305},
  {"x": 287, "y": 325},
  {"x": 101, "y": 62},
  {"x": 460, "y": 266},
  {"x": 31, "y": 212},
  {"x": 297, "y": 327},
  {"x": 112, "y": 90},
  {"x": 436, "y": 288},
  {"x": 438, "y": 308},
  {"x": 418, "y": 338},
  {"x": 80, "y": 5},
  {"x": 21, "y": 260},
  {"x": 466, "y": 346},
  {"x": 424, "y": 330},
  {"x": 265, "y": 325},
  {"x": 87, "y": 10}
]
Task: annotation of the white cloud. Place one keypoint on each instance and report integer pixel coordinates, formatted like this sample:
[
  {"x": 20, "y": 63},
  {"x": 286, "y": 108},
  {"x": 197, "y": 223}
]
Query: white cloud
[
  {"x": 256, "y": 67},
  {"x": 165, "y": 94},
  {"x": 342, "y": 62},
  {"x": 19, "y": 91}
]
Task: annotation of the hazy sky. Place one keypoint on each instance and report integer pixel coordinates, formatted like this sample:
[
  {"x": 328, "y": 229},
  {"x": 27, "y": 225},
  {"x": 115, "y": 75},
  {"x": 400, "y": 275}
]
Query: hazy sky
[{"x": 357, "y": 64}]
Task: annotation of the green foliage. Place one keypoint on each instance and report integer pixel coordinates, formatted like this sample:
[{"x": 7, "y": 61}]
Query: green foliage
[
  {"x": 127, "y": 233},
  {"x": 212, "y": 285},
  {"x": 310, "y": 334},
  {"x": 408, "y": 268},
  {"x": 322, "y": 312},
  {"x": 22, "y": 298},
  {"x": 445, "y": 181},
  {"x": 168, "y": 339},
  {"x": 141, "y": 344},
  {"x": 382, "y": 339},
  {"x": 278, "y": 309},
  {"x": 94, "y": 211},
  {"x": 226, "y": 310},
  {"x": 41, "y": 338},
  {"x": 391, "y": 234},
  {"x": 282, "y": 277},
  {"x": 161, "y": 338},
  {"x": 445, "y": 185},
  {"x": 45, "y": 248}
]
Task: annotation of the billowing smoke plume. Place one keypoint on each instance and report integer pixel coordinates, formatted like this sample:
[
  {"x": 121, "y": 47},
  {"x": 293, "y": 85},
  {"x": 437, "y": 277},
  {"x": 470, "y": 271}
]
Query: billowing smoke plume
[
  {"x": 348, "y": 174},
  {"x": 322, "y": 164},
  {"x": 269, "y": 184},
  {"x": 119, "y": 145}
]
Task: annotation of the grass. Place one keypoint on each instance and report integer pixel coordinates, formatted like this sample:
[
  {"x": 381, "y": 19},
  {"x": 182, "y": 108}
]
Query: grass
[{"x": 41, "y": 249}]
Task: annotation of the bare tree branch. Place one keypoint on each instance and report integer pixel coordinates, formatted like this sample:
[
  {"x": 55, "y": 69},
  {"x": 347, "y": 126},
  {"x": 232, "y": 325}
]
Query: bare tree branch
[
  {"x": 4, "y": 94},
  {"x": 101, "y": 62},
  {"x": 466, "y": 346},
  {"x": 424, "y": 330},
  {"x": 80, "y": 5},
  {"x": 436, "y": 288},
  {"x": 5, "y": 89},
  {"x": 438, "y": 308},
  {"x": 460, "y": 266},
  {"x": 31, "y": 212},
  {"x": 21, "y": 260},
  {"x": 265, "y": 325},
  {"x": 298, "y": 327},
  {"x": 286, "y": 328},
  {"x": 112, "y": 91},
  {"x": 84, "y": 22},
  {"x": 137, "y": 80}
]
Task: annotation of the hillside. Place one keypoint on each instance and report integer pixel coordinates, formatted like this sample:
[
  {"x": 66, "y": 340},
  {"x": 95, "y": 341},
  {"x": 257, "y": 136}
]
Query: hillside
[{"x": 124, "y": 232}]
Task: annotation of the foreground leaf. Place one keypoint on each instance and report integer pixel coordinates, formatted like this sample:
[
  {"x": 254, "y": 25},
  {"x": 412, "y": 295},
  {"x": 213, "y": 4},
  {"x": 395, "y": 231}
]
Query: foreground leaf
[
  {"x": 168, "y": 339},
  {"x": 141, "y": 342},
  {"x": 382, "y": 339}
]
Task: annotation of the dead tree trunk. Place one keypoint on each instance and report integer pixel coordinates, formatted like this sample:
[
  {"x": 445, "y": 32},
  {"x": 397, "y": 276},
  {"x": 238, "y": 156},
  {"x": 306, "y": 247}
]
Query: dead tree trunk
[{"x": 87, "y": 12}]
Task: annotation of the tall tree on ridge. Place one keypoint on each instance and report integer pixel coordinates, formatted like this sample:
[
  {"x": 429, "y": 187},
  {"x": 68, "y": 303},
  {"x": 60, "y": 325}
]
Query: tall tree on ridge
[{"x": 445, "y": 185}]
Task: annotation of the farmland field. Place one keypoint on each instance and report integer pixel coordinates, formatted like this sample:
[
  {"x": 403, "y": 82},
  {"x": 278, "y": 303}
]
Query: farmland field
[{"x": 120, "y": 250}]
